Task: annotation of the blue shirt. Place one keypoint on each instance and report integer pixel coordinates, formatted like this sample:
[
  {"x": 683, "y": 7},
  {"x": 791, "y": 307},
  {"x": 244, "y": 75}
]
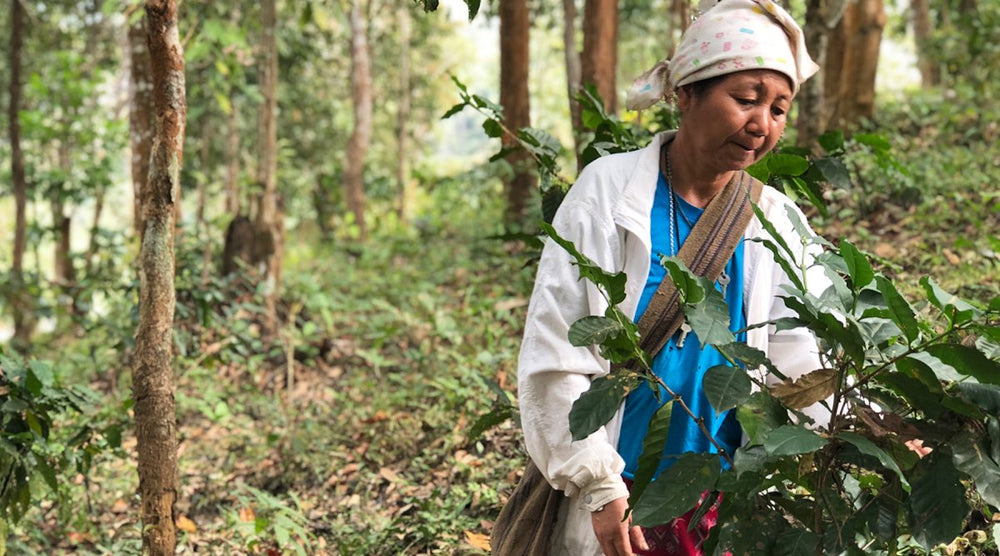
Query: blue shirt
[{"x": 681, "y": 368}]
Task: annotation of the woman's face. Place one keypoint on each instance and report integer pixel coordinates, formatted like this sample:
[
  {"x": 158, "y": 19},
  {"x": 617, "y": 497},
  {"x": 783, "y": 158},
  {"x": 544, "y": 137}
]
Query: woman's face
[{"x": 738, "y": 119}]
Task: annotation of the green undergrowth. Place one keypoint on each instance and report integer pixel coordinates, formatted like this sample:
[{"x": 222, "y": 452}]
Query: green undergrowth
[{"x": 351, "y": 430}]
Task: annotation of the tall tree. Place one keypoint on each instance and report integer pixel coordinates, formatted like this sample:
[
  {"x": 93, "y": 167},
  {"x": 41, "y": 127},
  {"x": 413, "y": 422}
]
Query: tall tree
[
  {"x": 140, "y": 114},
  {"x": 270, "y": 228},
  {"x": 153, "y": 387},
  {"x": 361, "y": 136},
  {"x": 860, "y": 33},
  {"x": 514, "y": 43},
  {"x": 572, "y": 58},
  {"x": 403, "y": 182},
  {"x": 599, "y": 62},
  {"x": 930, "y": 73},
  {"x": 822, "y": 17},
  {"x": 23, "y": 322}
]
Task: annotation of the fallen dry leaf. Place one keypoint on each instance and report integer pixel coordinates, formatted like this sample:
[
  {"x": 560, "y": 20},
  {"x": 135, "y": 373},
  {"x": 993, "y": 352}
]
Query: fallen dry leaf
[
  {"x": 247, "y": 514},
  {"x": 186, "y": 525},
  {"x": 120, "y": 506},
  {"x": 477, "y": 540},
  {"x": 389, "y": 475},
  {"x": 951, "y": 256}
]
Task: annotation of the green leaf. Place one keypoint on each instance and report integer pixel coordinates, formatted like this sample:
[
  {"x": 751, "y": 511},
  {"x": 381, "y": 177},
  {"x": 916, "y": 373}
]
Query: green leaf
[
  {"x": 726, "y": 387},
  {"x": 598, "y": 405},
  {"x": 866, "y": 446},
  {"x": 971, "y": 458},
  {"x": 832, "y": 141},
  {"x": 612, "y": 283},
  {"x": 807, "y": 390},
  {"x": 858, "y": 267},
  {"x": 489, "y": 420},
  {"x": 834, "y": 171},
  {"x": 684, "y": 280},
  {"x": 787, "y": 164},
  {"x": 967, "y": 361},
  {"x": 759, "y": 170},
  {"x": 454, "y": 110},
  {"x": 677, "y": 489},
  {"x": 796, "y": 542},
  {"x": 914, "y": 392},
  {"x": 873, "y": 140},
  {"x": 750, "y": 357},
  {"x": 759, "y": 415},
  {"x": 593, "y": 330},
  {"x": 791, "y": 440},
  {"x": 957, "y": 310},
  {"x": 899, "y": 308},
  {"x": 652, "y": 452},
  {"x": 492, "y": 128},
  {"x": 986, "y": 396},
  {"x": 473, "y": 8},
  {"x": 936, "y": 506}
]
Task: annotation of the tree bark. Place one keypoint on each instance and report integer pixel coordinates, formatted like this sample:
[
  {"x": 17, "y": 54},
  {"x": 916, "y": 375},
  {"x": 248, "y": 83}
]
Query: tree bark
[
  {"x": 140, "y": 116},
  {"x": 930, "y": 73},
  {"x": 95, "y": 229},
  {"x": 153, "y": 388},
  {"x": 573, "y": 72},
  {"x": 514, "y": 57},
  {"x": 361, "y": 93},
  {"x": 600, "y": 50},
  {"x": 404, "y": 184},
  {"x": 233, "y": 201},
  {"x": 65, "y": 275},
  {"x": 822, "y": 17},
  {"x": 24, "y": 323},
  {"x": 269, "y": 222},
  {"x": 861, "y": 31}
]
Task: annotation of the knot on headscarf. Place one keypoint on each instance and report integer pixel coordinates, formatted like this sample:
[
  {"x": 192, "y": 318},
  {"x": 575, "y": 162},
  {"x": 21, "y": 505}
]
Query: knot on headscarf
[{"x": 729, "y": 36}]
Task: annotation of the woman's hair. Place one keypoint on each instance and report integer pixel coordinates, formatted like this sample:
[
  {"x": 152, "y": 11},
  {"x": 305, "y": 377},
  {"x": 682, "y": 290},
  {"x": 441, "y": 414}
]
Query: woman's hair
[{"x": 700, "y": 88}]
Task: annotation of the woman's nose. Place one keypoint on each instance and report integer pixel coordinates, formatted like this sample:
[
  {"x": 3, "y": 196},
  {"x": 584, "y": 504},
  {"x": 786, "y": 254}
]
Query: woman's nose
[{"x": 758, "y": 123}]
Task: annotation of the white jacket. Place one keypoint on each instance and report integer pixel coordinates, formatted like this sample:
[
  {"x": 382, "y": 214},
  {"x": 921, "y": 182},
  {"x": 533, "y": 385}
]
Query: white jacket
[{"x": 606, "y": 214}]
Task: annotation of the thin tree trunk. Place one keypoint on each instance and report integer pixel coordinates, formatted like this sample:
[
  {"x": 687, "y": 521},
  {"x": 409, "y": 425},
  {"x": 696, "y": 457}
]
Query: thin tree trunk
[
  {"x": 862, "y": 33},
  {"x": 572, "y": 57},
  {"x": 822, "y": 17},
  {"x": 514, "y": 49},
  {"x": 140, "y": 115},
  {"x": 203, "y": 234},
  {"x": 153, "y": 388},
  {"x": 63, "y": 225},
  {"x": 929, "y": 71},
  {"x": 682, "y": 9},
  {"x": 95, "y": 229},
  {"x": 269, "y": 226},
  {"x": 600, "y": 50},
  {"x": 404, "y": 184},
  {"x": 233, "y": 200},
  {"x": 361, "y": 92},
  {"x": 21, "y": 305}
]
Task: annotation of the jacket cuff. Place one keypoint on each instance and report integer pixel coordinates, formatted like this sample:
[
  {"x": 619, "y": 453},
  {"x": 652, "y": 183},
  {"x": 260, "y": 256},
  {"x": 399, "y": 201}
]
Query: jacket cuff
[{"x": 600, "y": 493}]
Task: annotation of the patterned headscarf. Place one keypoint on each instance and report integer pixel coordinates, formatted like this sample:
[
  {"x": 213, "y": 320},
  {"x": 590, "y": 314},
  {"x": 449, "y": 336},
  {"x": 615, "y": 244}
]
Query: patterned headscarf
[{"x": 729, "y": 36}]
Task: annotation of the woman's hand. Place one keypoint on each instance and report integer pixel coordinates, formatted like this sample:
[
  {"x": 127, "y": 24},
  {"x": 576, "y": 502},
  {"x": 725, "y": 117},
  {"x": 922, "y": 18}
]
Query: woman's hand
[{"x": 617, "y": 537}]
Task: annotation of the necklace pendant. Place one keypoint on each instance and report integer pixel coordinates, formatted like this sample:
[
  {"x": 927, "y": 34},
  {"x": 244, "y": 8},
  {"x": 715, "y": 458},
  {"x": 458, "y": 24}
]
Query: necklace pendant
[
  {"x": 723, "y": 282},
  {"x": 685, "y": 329}
]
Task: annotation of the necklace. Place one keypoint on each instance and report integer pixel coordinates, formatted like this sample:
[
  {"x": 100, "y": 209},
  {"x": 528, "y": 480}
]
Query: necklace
[{"x": 673, "y": 209}]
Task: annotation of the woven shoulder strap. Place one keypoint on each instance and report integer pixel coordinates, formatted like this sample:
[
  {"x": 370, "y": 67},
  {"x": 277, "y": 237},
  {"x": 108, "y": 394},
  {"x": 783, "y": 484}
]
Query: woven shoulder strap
[{"x": 706, "y": 251}]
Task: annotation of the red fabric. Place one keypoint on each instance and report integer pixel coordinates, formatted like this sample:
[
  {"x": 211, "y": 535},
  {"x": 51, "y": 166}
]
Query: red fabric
[{"x": 674, "y": 538}]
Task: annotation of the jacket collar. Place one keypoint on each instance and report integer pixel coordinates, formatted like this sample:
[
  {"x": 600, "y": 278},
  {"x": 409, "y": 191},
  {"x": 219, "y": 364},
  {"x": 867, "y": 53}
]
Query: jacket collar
[{"x": 636, "y": 202}]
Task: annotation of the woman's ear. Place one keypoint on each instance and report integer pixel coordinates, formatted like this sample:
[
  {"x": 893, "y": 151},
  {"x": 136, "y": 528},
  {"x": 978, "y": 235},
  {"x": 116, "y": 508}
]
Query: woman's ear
[{"x": 683, "y": 98}]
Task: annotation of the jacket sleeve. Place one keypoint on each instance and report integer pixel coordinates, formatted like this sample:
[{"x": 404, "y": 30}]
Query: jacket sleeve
[{"x": 552, "y": 373}]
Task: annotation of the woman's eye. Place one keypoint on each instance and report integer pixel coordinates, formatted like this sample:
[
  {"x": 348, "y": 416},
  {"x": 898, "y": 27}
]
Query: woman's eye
[
  {"x": 745, "y": 101},
  {"x": 778, "y": 111}
]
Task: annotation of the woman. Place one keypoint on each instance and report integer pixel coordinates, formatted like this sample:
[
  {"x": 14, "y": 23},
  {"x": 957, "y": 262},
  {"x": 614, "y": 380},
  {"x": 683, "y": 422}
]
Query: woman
[{"x": 735, "y": 74}]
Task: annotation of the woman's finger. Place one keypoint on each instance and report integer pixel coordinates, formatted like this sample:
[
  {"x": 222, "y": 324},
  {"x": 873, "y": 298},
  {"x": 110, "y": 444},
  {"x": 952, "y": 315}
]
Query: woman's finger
[{"x": 637, "y": 538}]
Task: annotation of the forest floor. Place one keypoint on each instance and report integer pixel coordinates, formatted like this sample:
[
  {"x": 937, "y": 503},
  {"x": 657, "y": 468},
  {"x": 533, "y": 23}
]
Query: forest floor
[{"x": 354, "y": 430}]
